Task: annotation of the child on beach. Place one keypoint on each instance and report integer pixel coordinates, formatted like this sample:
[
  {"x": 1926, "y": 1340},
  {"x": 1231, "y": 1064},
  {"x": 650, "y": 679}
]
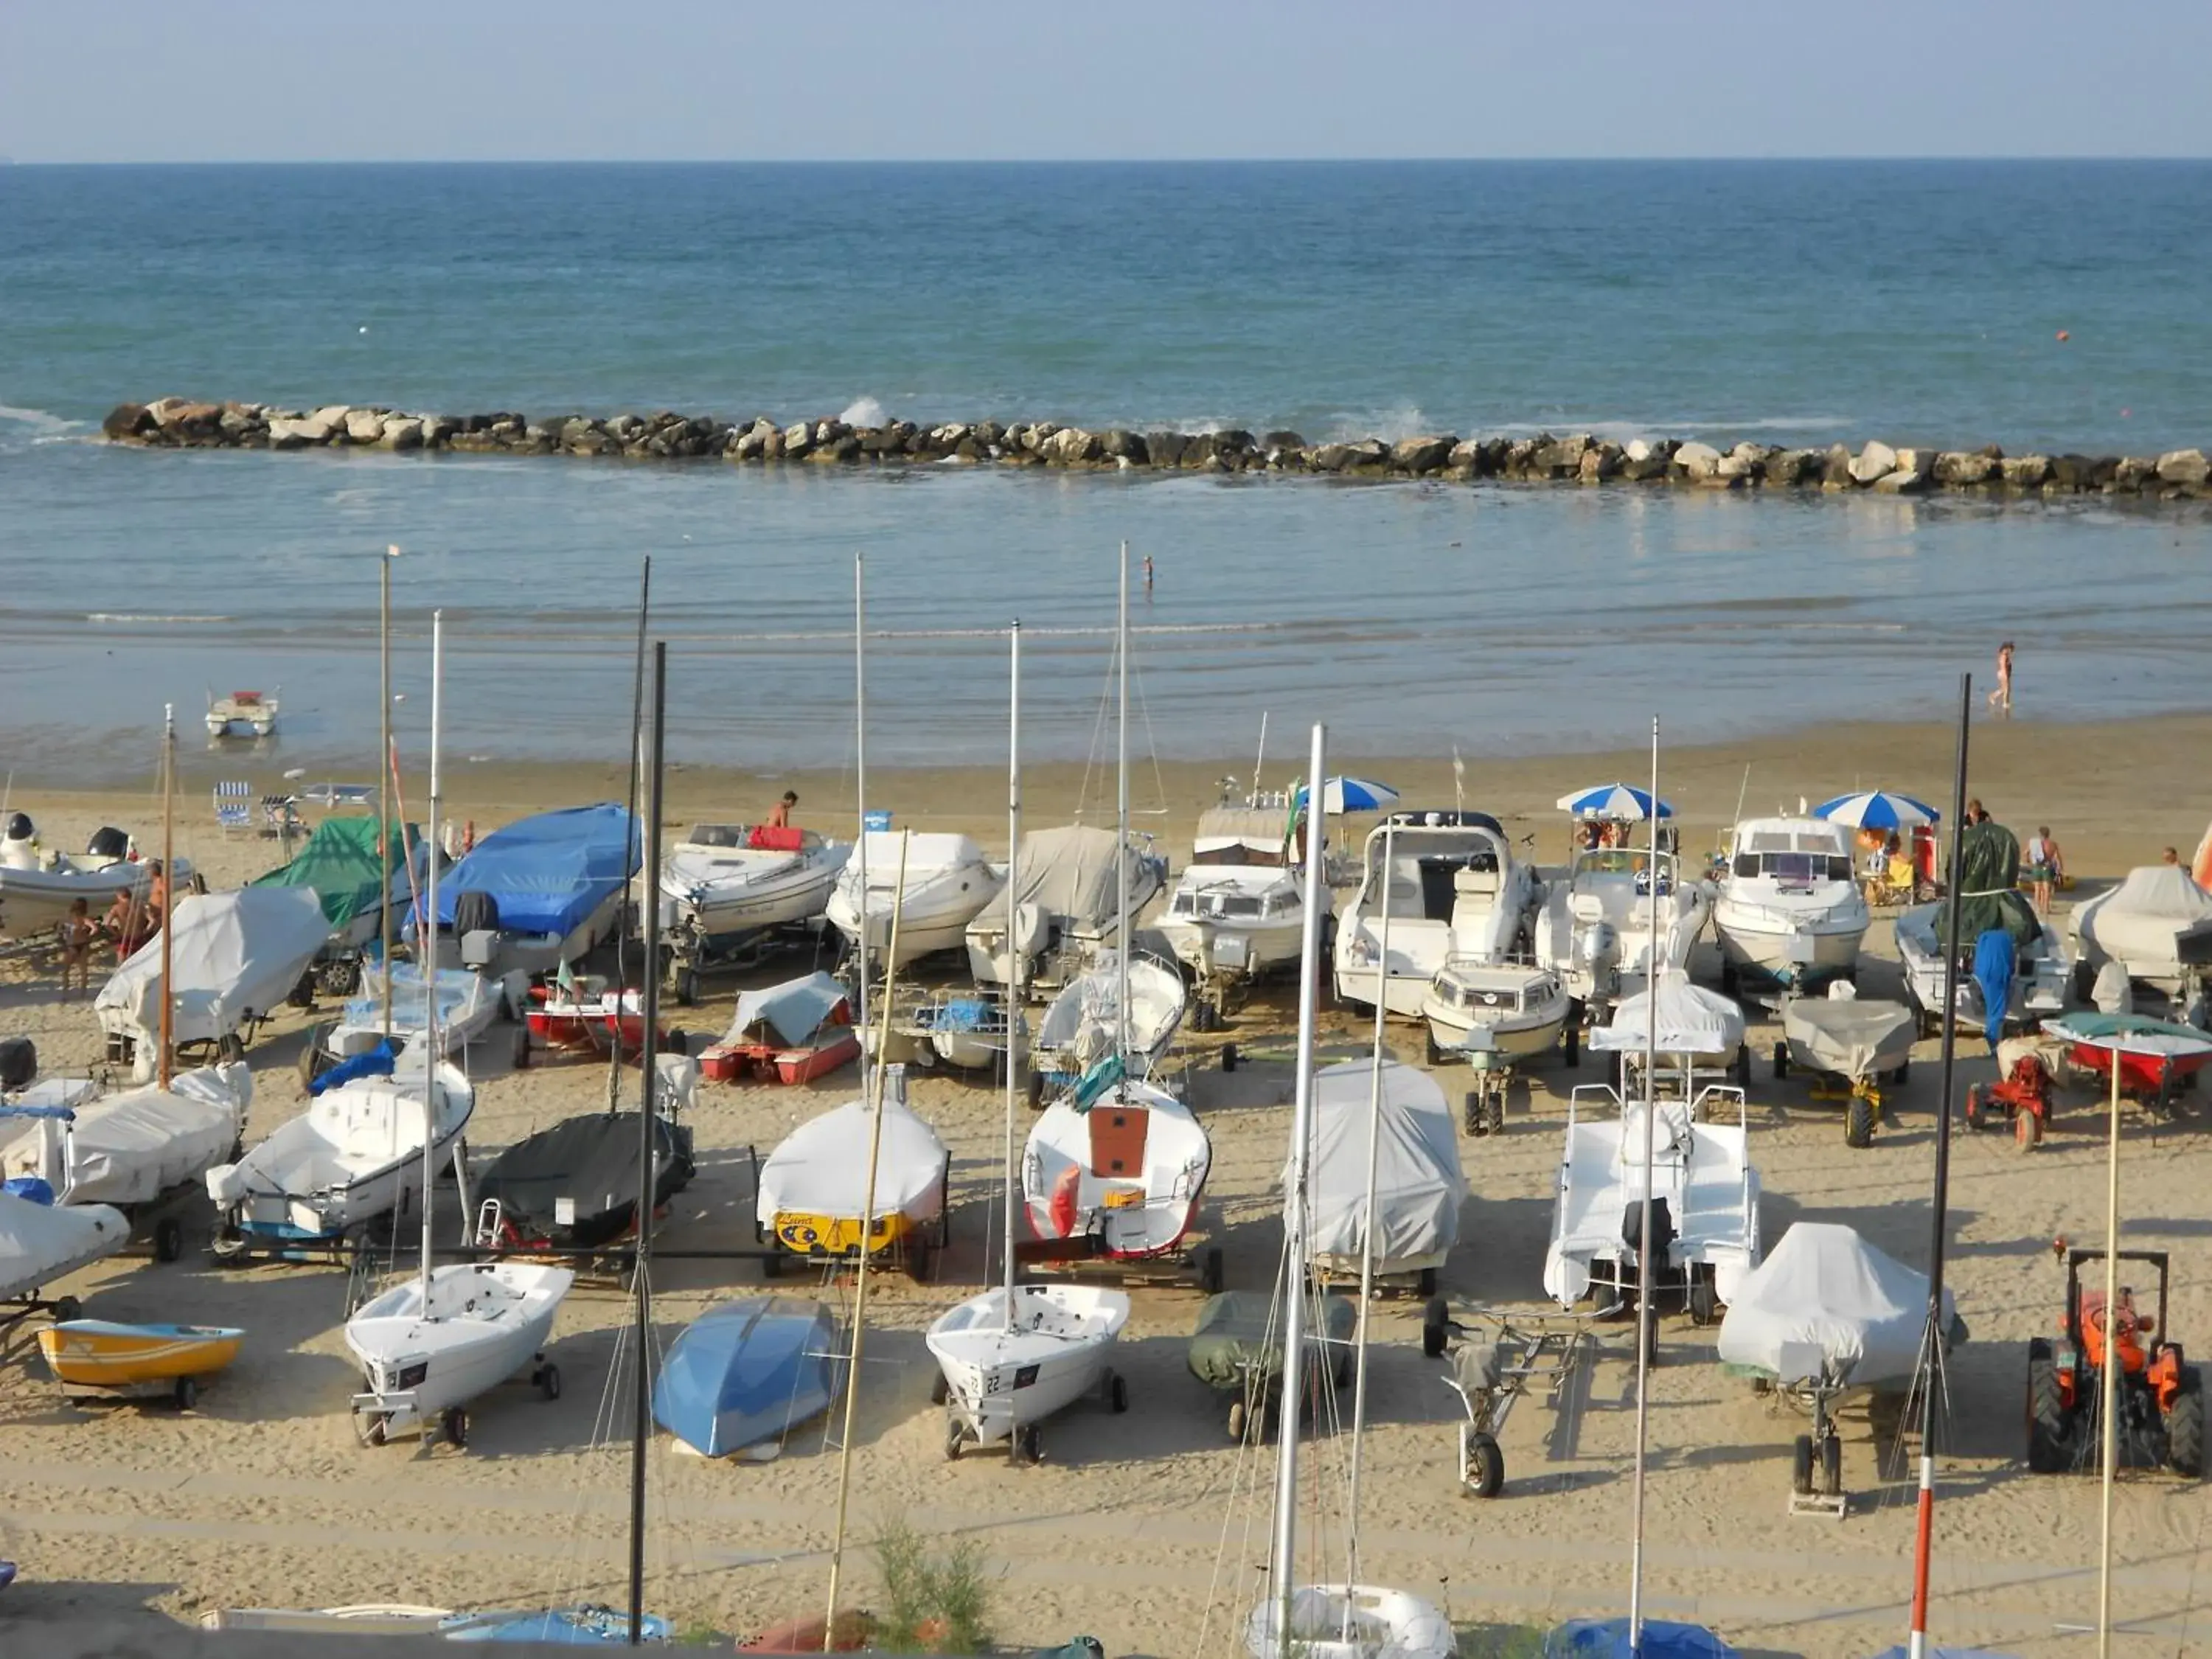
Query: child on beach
[{"x": 78, "y": 933}]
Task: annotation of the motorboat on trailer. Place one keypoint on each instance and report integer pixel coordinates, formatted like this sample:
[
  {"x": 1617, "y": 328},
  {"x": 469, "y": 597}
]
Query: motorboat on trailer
[
  {"x": 1006, "y": 1372},
  {"x": 1789, "y": 912},
  {"x": 235, "y": 959},
  {"x": 1705, "y": 1193},
  {"x": 352, "y": 1158},
  {"x": 1699, "y": 1039},
  {"x": 2041, "y": 968},
  {"x": 241, "y": 715},
  {"x": 1420, "y": 1187},
  {"x": 38, "y": 887},
  {"x": 1596, "y": 929},
  {"x": 725, "y": 886},
  {"x": 1115, "y": 1168},
  {"x": 1453, "y": 888},
  {"x": 947, "y": 881},
  {"x": 2156, "y": 924},
  {"x": 541, "y": 891},
  {"x": 1061, "y": 906},
  {"x": 1827, "y": 1309},
  {"x": 1235, "y": 915},
  {"x": 1083, "y": 1025},
  {"x": 1496, "y": 1012},
  {"x": 813, "y": 1201},
  {"x": 749, "y": 1372}
]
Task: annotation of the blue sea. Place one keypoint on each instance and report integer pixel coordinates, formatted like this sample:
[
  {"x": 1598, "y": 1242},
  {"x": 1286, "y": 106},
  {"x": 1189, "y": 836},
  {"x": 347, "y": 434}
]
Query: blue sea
[{"x": 1790, "y": 302}]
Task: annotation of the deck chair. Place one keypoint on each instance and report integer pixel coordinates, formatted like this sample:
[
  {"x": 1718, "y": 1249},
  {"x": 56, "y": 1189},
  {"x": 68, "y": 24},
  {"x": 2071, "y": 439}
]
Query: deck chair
[{"x": 234, "y": 807}]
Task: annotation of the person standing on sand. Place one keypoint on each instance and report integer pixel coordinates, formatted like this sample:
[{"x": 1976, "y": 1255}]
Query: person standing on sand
[
  {"x": 2042, "y": 868},
  {"x": 2002, "y": 697},
  {"x": 779, "y": 816}
]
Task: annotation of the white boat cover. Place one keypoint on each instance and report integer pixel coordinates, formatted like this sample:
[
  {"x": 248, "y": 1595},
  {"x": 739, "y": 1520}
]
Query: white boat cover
[
  {"x": 2136, "y": 921},
  {"x": 1848, "y": 1035},
  {"x": 130, "y": 1148},
  {"x": 1692, "y": 1020},
  {"x": 41, "y": 1242},
  {"x": 1418, "y": 1186},
  {"x": 1826, "y": 1296},
  {"x": 822, "y": 1167},
  {"x": 233, "y": 955},
  {"x": 1068, "y": 872},
  {"x": 926, "y": 852},
  {"x": 791, "y": 1011}
]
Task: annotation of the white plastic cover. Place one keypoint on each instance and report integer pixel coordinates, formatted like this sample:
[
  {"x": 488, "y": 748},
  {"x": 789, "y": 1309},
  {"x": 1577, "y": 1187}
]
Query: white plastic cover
[
  {"x": 2136, "y": 922},
  {"x": 130, "y": 1148},
  {"x": 1692, "y": 1020},
  {"x": 1849, "y": 1035},
  {"x": 822, "y": 1167},
  {"x": 40, "y": 1242},
  {"x": 1418, "y": 1186},
  {"x": 233, "y": 954},
  {"x": 1823, "y": 1291}
]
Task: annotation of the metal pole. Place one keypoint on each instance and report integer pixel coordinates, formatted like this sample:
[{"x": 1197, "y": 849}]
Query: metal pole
[
  {"x": 1646, "y": 1318},
  {"x": 1260, "y": 757},
  {"x": 428, "y": 932},
  {"x": 2111, "y": 1363},
  {"x": 1121, "y": 940},
  {"x": 1014, "y": 969},
  {"x": 1932, "y": 1338},
  {"x": 867, "y": 1233},
  {"x": 860, "y": 763},
  {"x": 1367, "y": 1223},
  {"x": 647, "y": 1117},
  {"x": 165, "y": 1061},
  {"x": 1283, "y": 1562},
  {"x": 384, "y": 770}
]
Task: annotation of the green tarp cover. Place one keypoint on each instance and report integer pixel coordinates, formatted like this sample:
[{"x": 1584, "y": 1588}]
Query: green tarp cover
[
  {"x": 1241, "y": 1332},
  {"x": 1989, "y": 889},
  {"x": 339, "y": 863}
]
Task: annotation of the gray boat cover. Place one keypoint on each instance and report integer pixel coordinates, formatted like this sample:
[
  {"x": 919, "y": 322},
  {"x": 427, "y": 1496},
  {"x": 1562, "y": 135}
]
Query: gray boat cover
[
  {"x": 791, "y": 1012},
  {"x": 1240, "y": 1334},
  {"x": 1692, "y": 1020},
  {"x": 1069, "y": 871},
  {"x": 1418, "y": 1187},
  {"x": 131, "y": 1147},
  {"x": 233, "y": 955},
  {"x": 1849, "y": 1035},
  {"x": 1825, "y": 1298},
  {"x": 41, "y": 1242}
]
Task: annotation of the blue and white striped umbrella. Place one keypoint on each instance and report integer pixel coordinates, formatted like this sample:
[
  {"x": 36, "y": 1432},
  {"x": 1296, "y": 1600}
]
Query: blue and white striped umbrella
[
  {"x": 1877, "y": 809},
  {"x": 1621, "y": 801},
  {"x": 1340, "y": 795}
]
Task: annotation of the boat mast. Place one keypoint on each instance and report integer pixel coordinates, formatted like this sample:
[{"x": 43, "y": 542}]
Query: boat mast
[
  {"x": 651, "y": 899},
  {"x": 431, "y": 1082},
  {"x": 384, "y": 770},
  {"x": 647, "y": 1117},
  {"x": 861, "y": 766},
  {"x": 1283, "y": 1563},
  {"x": 1931, "y": 1337},
  {"x": 1259, "y": 759},
  {"x": 1122, "y": 832},
  {"x": 1367, "y": 1225},
  {"x": 1014, "y": 969},
  {"x": 165, "y": 1060},
  {"x": 1645, "y": 1318}
]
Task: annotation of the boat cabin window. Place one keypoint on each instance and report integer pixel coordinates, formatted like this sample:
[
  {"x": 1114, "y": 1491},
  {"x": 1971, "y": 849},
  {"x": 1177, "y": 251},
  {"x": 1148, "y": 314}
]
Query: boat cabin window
[{"x": 1794, "y": 866}]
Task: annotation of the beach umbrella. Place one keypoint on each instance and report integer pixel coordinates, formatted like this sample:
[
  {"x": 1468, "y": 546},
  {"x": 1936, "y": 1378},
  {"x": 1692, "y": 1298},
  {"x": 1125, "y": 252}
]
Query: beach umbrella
[
  {"x": 1622, "y": 801},
  {"x": 1877, "y": 809},
  {"x": 1340, "y": 795}
]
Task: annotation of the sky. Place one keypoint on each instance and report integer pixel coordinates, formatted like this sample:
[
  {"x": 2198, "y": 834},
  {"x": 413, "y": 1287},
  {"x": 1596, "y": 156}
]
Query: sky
[{"x": 575, "y": 80}]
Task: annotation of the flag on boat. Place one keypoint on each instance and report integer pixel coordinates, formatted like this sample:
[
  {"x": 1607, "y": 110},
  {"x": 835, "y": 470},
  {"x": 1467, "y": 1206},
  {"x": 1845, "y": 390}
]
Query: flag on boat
[
  {"x": 1877, "y": 809},
  {"x": 1622, "y": 802},
  {"x": 565, "y": 980},
  {"x": 1340, "y": 795}
]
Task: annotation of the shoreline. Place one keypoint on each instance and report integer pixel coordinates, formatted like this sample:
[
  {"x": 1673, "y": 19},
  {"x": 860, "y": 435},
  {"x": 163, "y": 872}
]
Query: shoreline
[{"x": 1583, "y": 457}]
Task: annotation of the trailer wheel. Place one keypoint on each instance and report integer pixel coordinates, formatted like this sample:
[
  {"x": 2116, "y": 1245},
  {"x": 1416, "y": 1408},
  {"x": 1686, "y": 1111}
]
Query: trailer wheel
[
  {"x": 1832, "y": 1466},
  {"x": 2048, "y": 1428},
  {"x": 1229, "y": 1056},
  {"x": 66, "y": 1309},
  {"x": 1743, "y": 1064},
  {"x": 1426, "y": 1285},
  {"x": 1858, "y": 1122},
  {"x": 1436, "y": 1326},
  {"x": 1973, "y": 1106},
  {"x": 939, "y": 1389},
  {"x": 520, "y": 1054},
  {"x": 2184, "y": 1426},
  {"x": 1801, "y": 1466},
  {"x": 1213, "y": 1271},
  {"x": 549, "y": 1381},
  {"x": 1781, "y": 1061},
  {"x": 169, "y": 1239},
  {"x": 772, "y": 1263},
  {"x": 1571, "y": 1044},
  {"x": 1705, "y": 1298},
  {"x": 956, "y": 1437},
  {"x": 1117, "y": 1393},
  {"x": 921, "y": 1263},
  {"x": 1029, "y": 1444},
  {"x": 187, "y": 1393},
  {"x": 1485, "y": 1466},
  {"x": 453, "y": 1427},
  {"x": 1240, "y": 1419}
]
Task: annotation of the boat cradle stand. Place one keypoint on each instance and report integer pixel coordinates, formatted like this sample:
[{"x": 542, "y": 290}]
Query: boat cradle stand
[
  {"x": 1509, "y": 1354},
  {"x": 1195, "y": 1262}
]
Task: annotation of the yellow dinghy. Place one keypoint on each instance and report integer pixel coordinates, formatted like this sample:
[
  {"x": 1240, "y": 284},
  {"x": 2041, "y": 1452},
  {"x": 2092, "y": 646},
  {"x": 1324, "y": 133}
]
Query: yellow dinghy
[{"x": 100, "y": 1353}]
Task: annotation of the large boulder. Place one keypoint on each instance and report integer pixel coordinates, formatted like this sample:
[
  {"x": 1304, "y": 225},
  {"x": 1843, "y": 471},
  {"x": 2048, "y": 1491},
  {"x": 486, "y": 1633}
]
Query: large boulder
[
  {"x": 1900, "y": 481},
  {"x": 1793, "y": 467},
  {"x": 363, "y": 426},
  {"x": 1558, "y": 458},
  {"x": 1646, "y": 458},
  {"x": 1282, "y": 441},
  {"x": 2185, "y": 466},
  {"x": 1958, "y": 468},
  {"x": 1126, "y": 447},
  {"x": 127, "y": 421},
  {"x": 1165, "y": 447},
  {"x": 1874, "y": 462},
  {"x": 403, "y": 432},
  {"x": 1836, "y": 468},
  {"x": 2134, "y": 472},
  {"x": 2025, "y": 471},
  {"x": 1697, "y": 462},
  {"x": 1071, "y": 447},
  {"x": 303, "y": 433},
  {"x": 1599, "y": 461},
  {"x": 1421, "y": 455}
]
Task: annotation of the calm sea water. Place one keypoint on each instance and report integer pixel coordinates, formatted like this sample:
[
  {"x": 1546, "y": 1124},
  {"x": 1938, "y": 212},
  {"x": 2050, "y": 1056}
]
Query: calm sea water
[{"x": 1793, "y": 302}]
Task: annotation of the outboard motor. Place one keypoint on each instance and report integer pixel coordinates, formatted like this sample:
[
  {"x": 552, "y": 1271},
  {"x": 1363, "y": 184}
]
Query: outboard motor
[
  {"x": 476, "y": 928},
  {"x": 1632, "y": 1235},
  {"x": 19, "y": 1062},
  {"x": 109, "y": 843},
  {"x": 20, "y": 827}
]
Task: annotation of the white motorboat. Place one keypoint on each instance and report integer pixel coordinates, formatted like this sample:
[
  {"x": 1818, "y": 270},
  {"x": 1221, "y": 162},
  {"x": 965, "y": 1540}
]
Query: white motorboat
[
  {"x": 1596, "y": 929},
  {"x": 2142, "y": 923},
  {"x": 1116, "y": 1166},
  {"x": 947, "y": 881},
  {"x": 1453, "y": 888},
  {"x": 1064, "y": 900},
  {"x": 1788, "y": 911},
  {"x": 1005, "y": 1375},
  {"x": 1084, "y": 1024},
  {"x": 2043, "y": 967},
  {"x": 241, "y": 715},
  {"x": 1419, "y": 1184},
  {"x": 540, "y": 891},
  {"x": 1233, "y": 916},
  {"x": 469, "y": 1005},
  {"x": 1705, "y": 1193},
  {"x": 129, "y": 1148},
  {"x": 432, "y": 1343},
  {"x": 813, "y": 1197},
  {"x": 353, "y": 1157},
  {"x": 724, "y": 883},
  {"x": 235, "y": 957},
  {"x": 38, "y": 887},
  {"x": 1502, "y": 1012}
]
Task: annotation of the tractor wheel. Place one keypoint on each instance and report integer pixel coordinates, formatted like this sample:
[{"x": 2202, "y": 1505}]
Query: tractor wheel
[
  {"x": 1485, "y": 1466},
  {"x": 1436, "y": 1321},
  {"x": 2048, "y": 1429},
  {"x": 1858, "y": 1122},
  {"x": 1801, "y": 1466},
  {"x": 2026, "y": 1129},
  {"x": 1974, "y": 1113},
  {"x": 1781, "y": 1061},
  {"x": 2184, "y": 1426},
  {"x": 1832, "y": 1466}
]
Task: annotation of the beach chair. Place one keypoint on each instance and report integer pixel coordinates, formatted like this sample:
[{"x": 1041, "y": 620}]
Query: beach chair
[
  {"x": 234, "y": 807},
  {"x": 281, "y": 819}
]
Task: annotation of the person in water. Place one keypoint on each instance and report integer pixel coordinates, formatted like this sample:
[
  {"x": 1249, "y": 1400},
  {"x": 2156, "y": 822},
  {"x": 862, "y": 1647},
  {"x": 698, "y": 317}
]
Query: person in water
[
  {"x": 779, "y": 816},
  {"x": 2002, "y": 697}
]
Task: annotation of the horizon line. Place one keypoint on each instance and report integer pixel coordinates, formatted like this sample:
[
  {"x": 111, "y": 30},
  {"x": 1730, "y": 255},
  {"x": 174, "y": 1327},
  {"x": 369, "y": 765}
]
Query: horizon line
[{"x": 1916, "y": 158}]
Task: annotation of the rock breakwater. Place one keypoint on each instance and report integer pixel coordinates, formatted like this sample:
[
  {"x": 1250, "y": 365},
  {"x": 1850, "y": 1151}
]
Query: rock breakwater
[{"x": 1575, "y": 457}]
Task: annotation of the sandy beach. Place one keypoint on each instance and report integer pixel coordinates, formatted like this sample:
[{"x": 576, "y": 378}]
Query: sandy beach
[{"x": 1148, "y": 1529}]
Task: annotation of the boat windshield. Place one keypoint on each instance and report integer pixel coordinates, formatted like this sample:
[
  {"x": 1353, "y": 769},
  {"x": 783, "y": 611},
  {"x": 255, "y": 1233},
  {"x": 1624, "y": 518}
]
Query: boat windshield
[{"x": 1796, "y": 867}]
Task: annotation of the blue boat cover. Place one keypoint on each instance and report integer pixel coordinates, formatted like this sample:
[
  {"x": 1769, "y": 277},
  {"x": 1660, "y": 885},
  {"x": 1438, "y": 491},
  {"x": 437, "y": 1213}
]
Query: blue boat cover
[
  {"x": 1993, "y": 970},
  {"x": 1608, "y": 1639},
  {"x": 35, "y": 1188},
  {"x": 746, "y": 1371},
  {"x": 967, "y": 1014},
  {"x": 373, "y": 1062},
  {"x": 559, "y": 1627},
  {"x": 547, "y": 873}
]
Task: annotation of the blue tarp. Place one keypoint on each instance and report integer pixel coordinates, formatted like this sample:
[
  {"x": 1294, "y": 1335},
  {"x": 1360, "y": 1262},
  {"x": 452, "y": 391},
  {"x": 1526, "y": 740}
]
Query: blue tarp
[
  {"x": 373, "y": 1062},
  {"x": 1608, "y": 1639},
  {"x": 1993, "y": 971},
  {"x": 547, "y": 873},
  {"x": 559, "y": 1627}
]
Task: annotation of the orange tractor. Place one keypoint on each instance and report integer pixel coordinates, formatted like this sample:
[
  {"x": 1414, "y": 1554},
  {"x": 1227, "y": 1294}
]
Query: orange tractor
[{"x": 2160, "y": 1405}]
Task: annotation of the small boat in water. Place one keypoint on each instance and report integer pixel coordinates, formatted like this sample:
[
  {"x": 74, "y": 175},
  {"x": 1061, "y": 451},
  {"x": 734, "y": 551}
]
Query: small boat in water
[
  {"x": 749, "y": 1372},
  {"x": 100, "y": 1353},
  {"x": 241, "y": 715}
]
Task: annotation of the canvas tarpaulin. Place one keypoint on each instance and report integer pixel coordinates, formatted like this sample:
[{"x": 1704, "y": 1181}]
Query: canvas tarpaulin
[
  {"x": 1692, "y": 1020},
  {"x": 1823, "y": 1291},
  {"x": 339, "y": 863},
  {"x": 233, "y": 955},
  {"x": 1066, "y": 872},
  {"x": 1989, "y": 898},
  {"x": 1846, "y": 1035},
  {"x": 791, "y": 1012},
  {"x": 547, "y": 873},
  {"x": 1418, "y": 1186},
  {"x": 1240, "y": 1335}
]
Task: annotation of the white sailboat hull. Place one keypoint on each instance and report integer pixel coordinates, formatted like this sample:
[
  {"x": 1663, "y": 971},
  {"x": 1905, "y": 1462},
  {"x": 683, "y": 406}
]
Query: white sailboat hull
[
  {"x": 1350, "y": 1621},
  {"x": 999, "y": 1380},
  {"x": 482, "y": 1324},
  {"x": 1127, "y": 1174}
]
